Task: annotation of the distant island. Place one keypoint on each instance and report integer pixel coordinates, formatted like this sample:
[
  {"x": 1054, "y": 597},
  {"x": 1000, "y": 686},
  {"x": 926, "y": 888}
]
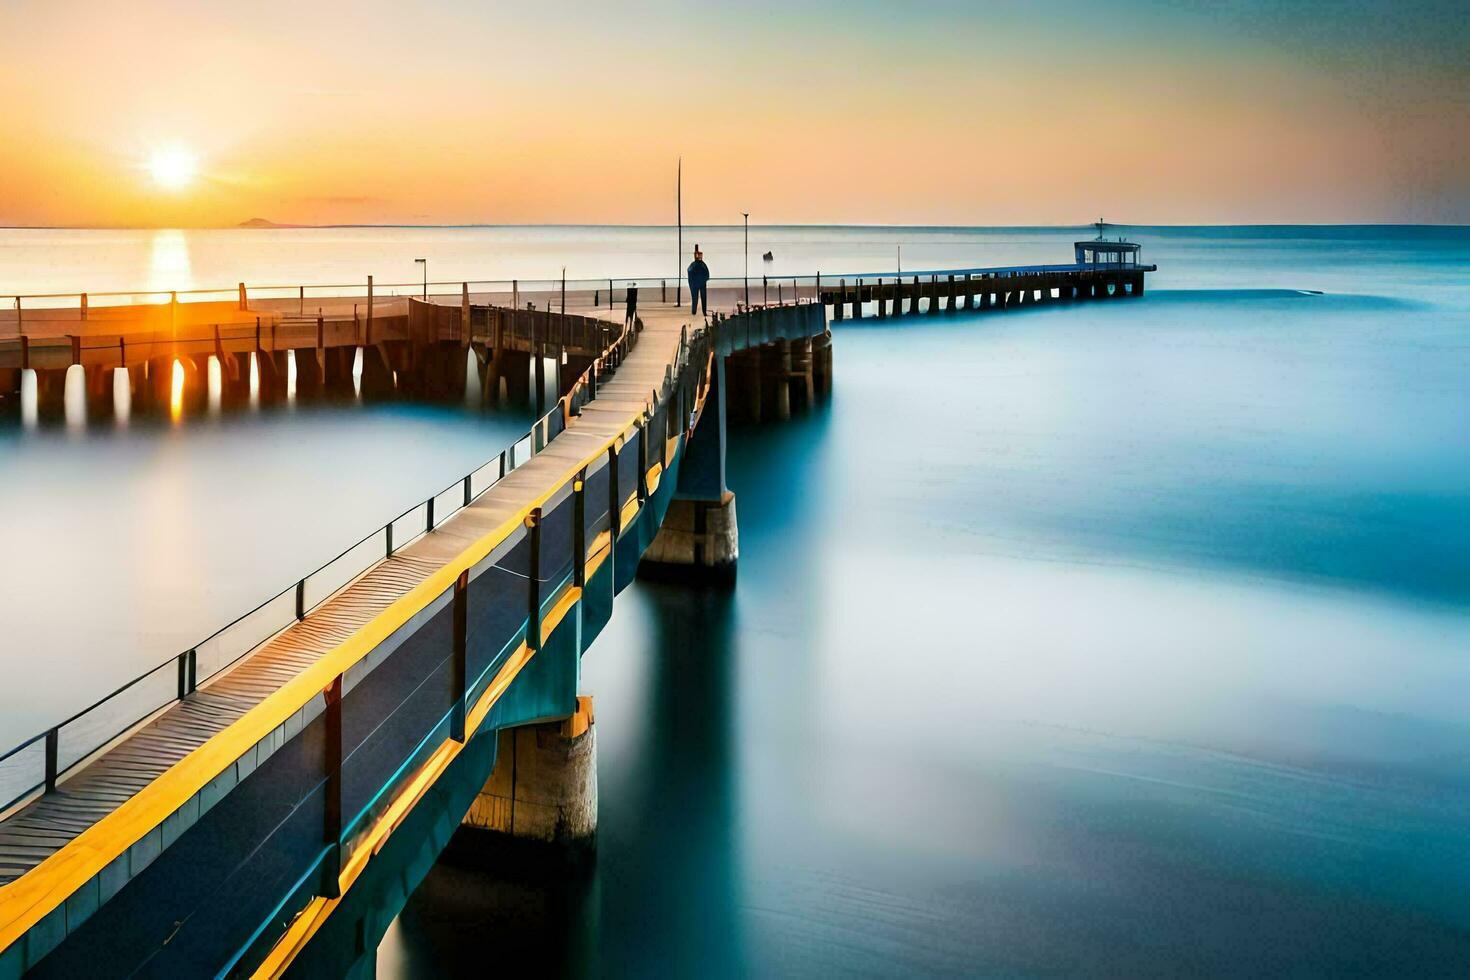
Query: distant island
[{"x": 264, "y": 223}]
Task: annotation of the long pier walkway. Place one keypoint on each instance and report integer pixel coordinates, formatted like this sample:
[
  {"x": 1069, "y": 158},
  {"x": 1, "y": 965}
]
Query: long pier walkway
[{"x": 158, "y": 852}]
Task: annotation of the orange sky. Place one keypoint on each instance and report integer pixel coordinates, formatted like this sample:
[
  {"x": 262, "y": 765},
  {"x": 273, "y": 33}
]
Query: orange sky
[{"x": 940, "y": 112}]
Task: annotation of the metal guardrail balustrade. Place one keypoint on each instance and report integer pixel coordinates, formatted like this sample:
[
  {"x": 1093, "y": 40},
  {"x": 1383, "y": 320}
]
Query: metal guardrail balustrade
[{"x": 36, "y": 764}]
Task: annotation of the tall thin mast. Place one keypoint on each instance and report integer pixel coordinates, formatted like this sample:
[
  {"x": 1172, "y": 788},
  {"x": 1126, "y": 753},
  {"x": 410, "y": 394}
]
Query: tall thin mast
[{"x": 679, "y": 213}]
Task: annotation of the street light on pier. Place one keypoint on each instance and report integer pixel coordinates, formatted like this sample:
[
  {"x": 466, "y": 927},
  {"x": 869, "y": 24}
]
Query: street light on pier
[
  {"x": 746, "y": 216},
  {"x": 425, "y": 264}
]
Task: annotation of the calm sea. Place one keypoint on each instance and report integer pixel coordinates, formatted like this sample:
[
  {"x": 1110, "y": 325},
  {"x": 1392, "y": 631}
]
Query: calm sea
[{"x": 1109, "y": 639}]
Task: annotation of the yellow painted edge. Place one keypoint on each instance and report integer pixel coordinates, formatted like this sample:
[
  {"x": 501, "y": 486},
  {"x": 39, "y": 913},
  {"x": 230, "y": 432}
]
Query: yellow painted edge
[
  {"x": 310, "y": 920},
  {"x": 28, "y": 899},
  {"x": 597, "y": 554}
]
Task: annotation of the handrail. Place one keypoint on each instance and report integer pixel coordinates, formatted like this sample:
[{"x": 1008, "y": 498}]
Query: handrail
[
  {"x": 24, "y": 902},
  {"x": 186, "y": 661},
  {"x": 230, "y": 293}
]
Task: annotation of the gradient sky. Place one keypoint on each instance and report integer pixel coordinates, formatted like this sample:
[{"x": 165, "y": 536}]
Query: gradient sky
[{"x": 854, "y": 112}]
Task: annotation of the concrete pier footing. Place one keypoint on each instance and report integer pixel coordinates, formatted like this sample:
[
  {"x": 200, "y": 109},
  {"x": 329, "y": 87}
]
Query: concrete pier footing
[
  {"x": 698, "y": 543},
  {"x": 543, "y": 790}
]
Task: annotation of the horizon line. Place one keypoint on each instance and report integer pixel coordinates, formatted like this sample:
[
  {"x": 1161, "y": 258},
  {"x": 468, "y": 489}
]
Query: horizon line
[{"x": 288, "y": 226}]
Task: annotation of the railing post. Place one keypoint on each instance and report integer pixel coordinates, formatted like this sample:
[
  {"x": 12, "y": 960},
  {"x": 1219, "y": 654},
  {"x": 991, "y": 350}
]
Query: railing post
[
  {"x": 538, "y": 371},
  {"x": 467, "y": 490},
  {"x": 533, "y": 609},
  {"x": 332, "y": 791},
  {"x": 184, "y": 685},
  {"x": 614, "y": 495},
  {"x": 579, "y": 531},
  {"x": 458, "y": 674},
  {"x": 301, "y": 599},
  {"x": 642, "y": 425},
  {"x": 429, "y": 521},
  {"x": 388, "y": 552},
  {"x": 53, "y": 739}
]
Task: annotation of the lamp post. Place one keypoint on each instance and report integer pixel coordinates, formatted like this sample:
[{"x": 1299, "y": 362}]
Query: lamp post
[
  {"x": 746, "y": 216},
  {"x": 425, "y": 264}
]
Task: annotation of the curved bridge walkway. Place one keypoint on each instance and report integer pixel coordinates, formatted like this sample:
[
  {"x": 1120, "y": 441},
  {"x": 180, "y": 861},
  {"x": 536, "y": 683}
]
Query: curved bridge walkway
[
  {"x": 366, "y": 681},
  {"x": 367, "y": 726}
]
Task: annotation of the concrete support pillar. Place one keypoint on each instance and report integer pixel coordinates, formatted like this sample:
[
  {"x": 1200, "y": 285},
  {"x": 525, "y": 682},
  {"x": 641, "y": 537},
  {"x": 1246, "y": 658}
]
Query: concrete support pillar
[
  {"x": 308, "y": 373},
  {"x": 775, "y": 381},
  {"x": 160, "y": 371},
  {"x": 698, "y": 542},
  {"x": 517, "y": 374},
  {"x": 235, "y": 378},
  {"x": 543, "y": 789},
  {"x": 801, "y": 373},
  {"x": 99, "y": 388},
  {"x": 338, "y": 370},
  {"x": 495, "y": 363},
  {"x": 821, "y": 348},
  {"x": 743, "y": 374}
]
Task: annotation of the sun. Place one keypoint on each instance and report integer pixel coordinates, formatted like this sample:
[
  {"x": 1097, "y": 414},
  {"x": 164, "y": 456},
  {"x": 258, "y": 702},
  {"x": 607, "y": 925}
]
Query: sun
[{"x": 174, "y": 168}]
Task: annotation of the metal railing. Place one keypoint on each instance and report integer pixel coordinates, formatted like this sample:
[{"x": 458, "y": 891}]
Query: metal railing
[
  {"x": 41, "y": 760},
  {"x": 341, "y": 807},
  {"x": 15, "y": 308}
]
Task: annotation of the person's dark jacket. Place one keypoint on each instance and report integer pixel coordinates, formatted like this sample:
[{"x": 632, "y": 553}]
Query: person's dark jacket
[{"x": 698, "y": 274}]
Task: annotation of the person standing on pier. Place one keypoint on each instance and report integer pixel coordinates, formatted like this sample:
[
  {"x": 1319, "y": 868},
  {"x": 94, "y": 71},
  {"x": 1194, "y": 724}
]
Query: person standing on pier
[
  {"x": 632, "y": 312},
  {"x": 698, "y": 283}
]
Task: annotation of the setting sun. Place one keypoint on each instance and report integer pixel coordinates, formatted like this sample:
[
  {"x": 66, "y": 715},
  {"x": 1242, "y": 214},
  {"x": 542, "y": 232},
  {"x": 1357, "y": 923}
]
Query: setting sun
[{"x": 173, "y": 169}]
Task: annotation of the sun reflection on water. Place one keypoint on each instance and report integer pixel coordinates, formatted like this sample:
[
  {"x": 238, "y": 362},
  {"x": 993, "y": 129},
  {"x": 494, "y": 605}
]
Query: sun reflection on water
[
  {"x": 176, "y": 393},
  {"x": 169, "y": 265}
]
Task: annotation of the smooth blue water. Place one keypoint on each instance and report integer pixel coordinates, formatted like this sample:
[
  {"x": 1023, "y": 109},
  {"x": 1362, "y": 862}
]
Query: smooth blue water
[
  {"x": 127, "y": 545},
  {"x": 1111, "y": 638},
  {"x": 1117, "y": 639}
]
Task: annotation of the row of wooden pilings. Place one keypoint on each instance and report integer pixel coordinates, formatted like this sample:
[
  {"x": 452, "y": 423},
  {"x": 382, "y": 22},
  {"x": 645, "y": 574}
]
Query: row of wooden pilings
[
  {"x": 769, "y": 382},
  {"x": 980, "y": 291}
]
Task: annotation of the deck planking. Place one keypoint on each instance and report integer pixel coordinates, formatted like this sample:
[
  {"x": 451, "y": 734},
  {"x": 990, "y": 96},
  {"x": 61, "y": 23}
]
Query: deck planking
[{"x": 48, "y": 823}]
